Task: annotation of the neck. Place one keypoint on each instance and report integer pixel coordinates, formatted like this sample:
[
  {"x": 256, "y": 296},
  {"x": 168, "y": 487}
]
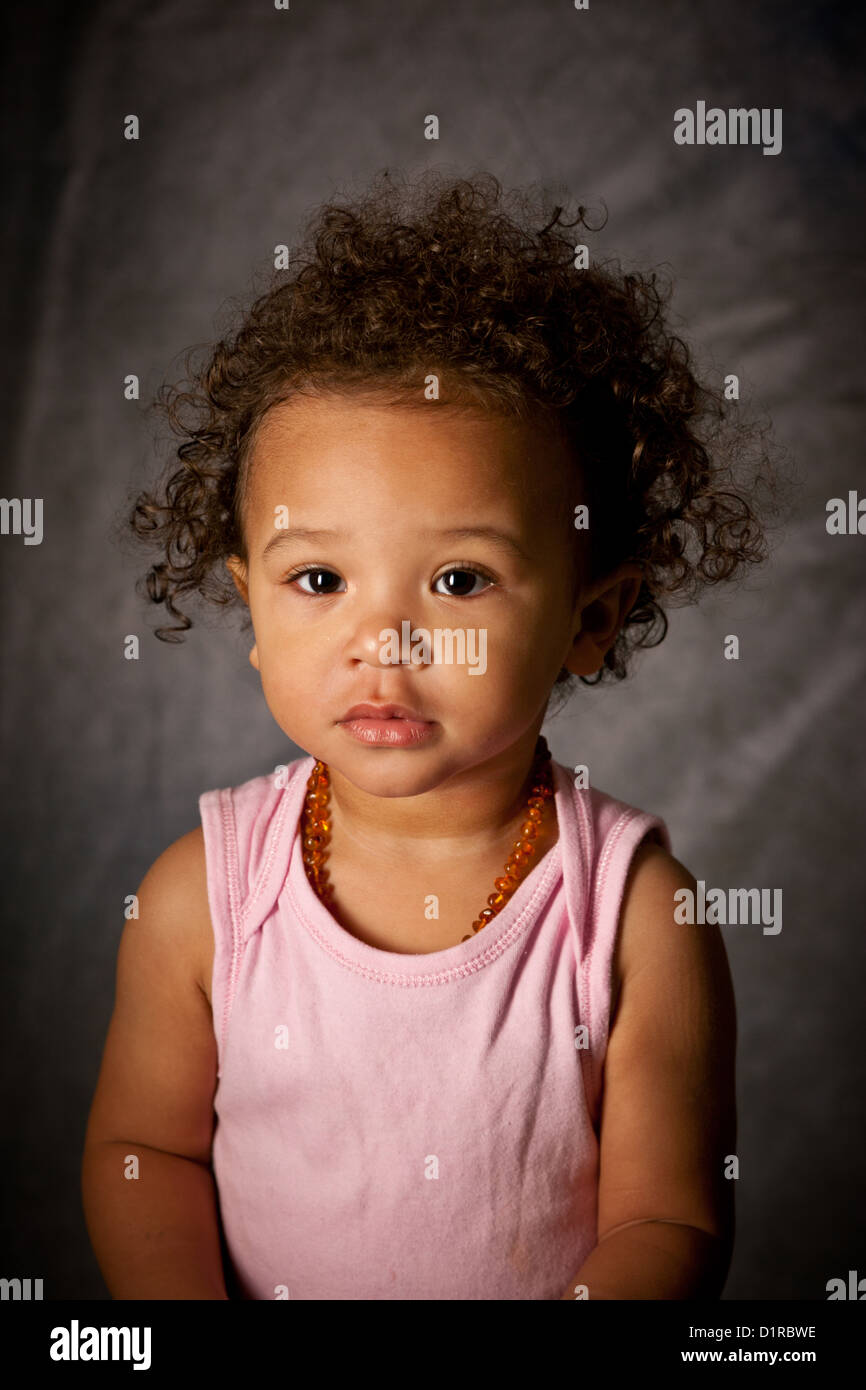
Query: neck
[{"x": 467, "y": 816}]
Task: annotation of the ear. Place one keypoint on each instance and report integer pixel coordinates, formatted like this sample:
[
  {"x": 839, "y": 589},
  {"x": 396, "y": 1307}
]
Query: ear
[
  {"x": 238, "y": 571},
  {"x": 599, "y": 614}
]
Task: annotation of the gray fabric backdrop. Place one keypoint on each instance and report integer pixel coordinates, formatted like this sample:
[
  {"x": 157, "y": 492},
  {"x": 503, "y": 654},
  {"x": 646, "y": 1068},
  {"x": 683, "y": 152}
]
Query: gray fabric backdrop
[{"x": 119, "y": 255}]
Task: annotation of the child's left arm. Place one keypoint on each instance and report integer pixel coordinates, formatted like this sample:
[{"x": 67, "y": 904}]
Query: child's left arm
[{"x": 668, "y": 1118}]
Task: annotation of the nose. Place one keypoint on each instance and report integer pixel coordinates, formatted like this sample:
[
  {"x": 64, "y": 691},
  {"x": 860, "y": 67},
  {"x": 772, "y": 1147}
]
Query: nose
[{"x": 384, "y": 638}]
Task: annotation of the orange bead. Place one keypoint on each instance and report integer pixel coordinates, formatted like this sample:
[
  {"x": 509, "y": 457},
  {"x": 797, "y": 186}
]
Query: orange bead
[{"x": 316, "y": 831}]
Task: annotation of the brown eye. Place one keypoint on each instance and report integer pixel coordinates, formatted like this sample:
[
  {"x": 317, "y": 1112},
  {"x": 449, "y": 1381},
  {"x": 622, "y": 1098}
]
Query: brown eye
[
  {"x": 460, "y": 581},
  {"x": 316, "y": 575}
]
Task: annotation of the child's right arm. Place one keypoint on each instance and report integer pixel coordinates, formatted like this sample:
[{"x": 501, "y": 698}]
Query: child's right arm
[{"x": 156, "y": 1235}]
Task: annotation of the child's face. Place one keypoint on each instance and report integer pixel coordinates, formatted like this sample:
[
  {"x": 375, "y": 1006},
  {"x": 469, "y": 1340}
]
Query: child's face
[{"x": 390, "y": 483}]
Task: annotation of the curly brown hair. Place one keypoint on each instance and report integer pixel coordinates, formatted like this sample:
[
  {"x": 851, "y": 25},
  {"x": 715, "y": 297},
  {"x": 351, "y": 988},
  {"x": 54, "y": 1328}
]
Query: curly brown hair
[{"x": 452, "y": 273}]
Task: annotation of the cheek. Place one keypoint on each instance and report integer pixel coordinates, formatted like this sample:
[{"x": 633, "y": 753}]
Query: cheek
[
  {"x": 506, "y": 666},
  {"x": 282, "y": 638},
  {"x": 286, "y": 680},
  {"x": 535, "y": 657}
]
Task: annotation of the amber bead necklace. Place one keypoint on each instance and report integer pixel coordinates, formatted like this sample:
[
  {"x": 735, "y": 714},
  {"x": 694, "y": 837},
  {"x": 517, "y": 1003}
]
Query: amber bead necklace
[{"x": 316, "y": 828}]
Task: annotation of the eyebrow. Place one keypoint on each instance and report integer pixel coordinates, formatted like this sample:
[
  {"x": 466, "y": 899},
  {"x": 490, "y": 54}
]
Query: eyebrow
[{"x": 501, "y": 539}]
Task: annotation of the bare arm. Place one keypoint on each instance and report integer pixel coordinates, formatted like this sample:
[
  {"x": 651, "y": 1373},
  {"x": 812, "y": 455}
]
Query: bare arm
[
  {"x": 153, "y": 1224},
  {"x": 157, "y": 1236},
  {"x": 653, "y": 1259},
  {"x": 668, "y": 1121}
]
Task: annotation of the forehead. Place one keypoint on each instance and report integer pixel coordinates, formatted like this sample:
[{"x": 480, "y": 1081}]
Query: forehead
[{"x": 338, "y": 444}]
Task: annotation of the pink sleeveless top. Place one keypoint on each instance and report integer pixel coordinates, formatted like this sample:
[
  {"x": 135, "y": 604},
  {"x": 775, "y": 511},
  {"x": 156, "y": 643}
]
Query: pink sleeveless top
[{"x": 394, "y": 1126}]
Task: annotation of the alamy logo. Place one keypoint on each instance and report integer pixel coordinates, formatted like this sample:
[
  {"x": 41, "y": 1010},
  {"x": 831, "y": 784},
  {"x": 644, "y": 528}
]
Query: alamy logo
[
  {"x": 855, "y": 1288},
  {"x": 736, "y": 126},
  {"x": 22, "y": 516},
  {"x": 730, "y": 907},
  {"x": 416, "y": 647},
  {"x": 846, "y": 521},
  {"x": 101, "y": 1344},
  {"x": 21, "y": 1289}
]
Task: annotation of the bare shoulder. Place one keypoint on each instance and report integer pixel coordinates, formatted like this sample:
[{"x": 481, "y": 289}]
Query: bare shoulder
[
  {"x": 668, "y": 1120},
  {"x": 671, "y": 960},
  {"x": 667, "y": 969},
  {"x": 157, "y": 1078},
  {"x": 175, "y": 887}
]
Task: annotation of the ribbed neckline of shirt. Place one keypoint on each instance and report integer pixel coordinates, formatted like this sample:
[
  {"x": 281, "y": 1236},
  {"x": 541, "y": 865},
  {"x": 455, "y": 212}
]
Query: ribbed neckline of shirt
[{"x": 435, "y": 967}]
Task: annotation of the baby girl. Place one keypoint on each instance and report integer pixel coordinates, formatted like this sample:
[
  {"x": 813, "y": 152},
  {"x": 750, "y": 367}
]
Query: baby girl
[{"x": 410, "y": 1016}]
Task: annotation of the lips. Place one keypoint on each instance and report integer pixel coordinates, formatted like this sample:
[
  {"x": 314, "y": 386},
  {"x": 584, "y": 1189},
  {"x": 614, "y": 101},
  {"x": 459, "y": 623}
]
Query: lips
[{"x": 383, "y": 712}]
